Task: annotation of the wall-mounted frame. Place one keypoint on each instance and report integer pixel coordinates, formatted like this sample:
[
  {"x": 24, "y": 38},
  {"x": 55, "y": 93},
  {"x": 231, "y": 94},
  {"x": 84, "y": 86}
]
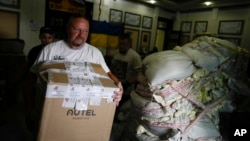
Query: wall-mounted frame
[
  {"x": 200, "y": 26},
  {"x": 68, "y": 6},
  {"x": 234, "y": 27},
  {"x": 186, "y": 26},
  {"x": 234, "y": 40},
  {"x": 145, "y": 41},
  {"x": 115, "y": 16},
  {"x": 147, "y": 22},
  {"x": 10, "y": 3},
  {"x": 134, "y": 34},
  {"x": 9, "y": 27},
  {"x": 132, "y": 19},
  {"x": 161, "y": 25}
]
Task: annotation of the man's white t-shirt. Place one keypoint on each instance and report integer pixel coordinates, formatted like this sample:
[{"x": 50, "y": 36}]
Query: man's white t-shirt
[
  {"x": 60, "y": 52},
  {"x": 124, "y": 66}
]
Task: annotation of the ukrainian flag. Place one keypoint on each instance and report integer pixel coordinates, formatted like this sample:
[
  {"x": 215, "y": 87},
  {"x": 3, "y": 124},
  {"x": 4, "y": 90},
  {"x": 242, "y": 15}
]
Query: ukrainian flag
[{"x": 104, "y": 34}]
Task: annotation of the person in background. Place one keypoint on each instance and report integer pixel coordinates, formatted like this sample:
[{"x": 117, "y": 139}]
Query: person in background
[
  {"x": 126, "y": 65},
  {"x": 46, "y": 36},
  {"x": 75, "y": 49}
]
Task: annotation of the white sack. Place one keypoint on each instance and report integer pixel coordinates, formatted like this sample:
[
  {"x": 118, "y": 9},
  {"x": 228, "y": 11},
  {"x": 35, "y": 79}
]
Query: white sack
[
  {"x": 223, "y": 46},
  {"x": 167, "y": 65},
  {"x": 203, "y": 128},
  {"x": 202, "y": 57}
]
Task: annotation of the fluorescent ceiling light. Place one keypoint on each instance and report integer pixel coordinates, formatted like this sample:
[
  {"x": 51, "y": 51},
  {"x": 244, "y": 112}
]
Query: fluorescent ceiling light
[
  {"x": 207, "y": 3},
  {"x": 152, "y": 1}
]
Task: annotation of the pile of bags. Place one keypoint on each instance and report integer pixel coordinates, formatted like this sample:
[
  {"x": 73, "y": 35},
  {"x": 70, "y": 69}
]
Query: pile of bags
[{"x": 182, "y": 93}]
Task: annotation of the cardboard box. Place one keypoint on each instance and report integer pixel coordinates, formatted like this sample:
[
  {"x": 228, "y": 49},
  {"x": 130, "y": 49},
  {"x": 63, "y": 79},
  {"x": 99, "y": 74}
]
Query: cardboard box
[
  {"x": 60, "y": 123},
  {"x": 63, "y": 124},
  {"x": 62, "y": 78}
]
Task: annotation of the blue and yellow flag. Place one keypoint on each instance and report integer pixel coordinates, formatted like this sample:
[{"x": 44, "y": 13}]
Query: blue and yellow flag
[{"x": 104, "y": 34}]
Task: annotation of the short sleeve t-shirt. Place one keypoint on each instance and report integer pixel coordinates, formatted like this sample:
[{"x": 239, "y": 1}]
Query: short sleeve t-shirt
[
  {"x": 124, "y": 66},
  {"x": 60, "y": 52}
]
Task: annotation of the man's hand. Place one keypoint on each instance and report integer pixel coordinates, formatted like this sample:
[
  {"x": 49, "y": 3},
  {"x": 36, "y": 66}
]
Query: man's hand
[{"x": 118, "y": 94}]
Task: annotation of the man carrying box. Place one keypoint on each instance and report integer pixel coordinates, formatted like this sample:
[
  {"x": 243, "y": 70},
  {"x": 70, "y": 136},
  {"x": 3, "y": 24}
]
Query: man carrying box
[{"x": 75, "y": 49}]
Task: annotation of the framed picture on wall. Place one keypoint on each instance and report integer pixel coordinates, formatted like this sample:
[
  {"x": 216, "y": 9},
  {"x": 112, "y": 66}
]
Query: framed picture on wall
[
  {"x": 186, "y": 26},
  {"x": 231, "y": 27},
  {"x": 9, "y": 30},
  {"x": 10, "y": 3},
  {"x": 147, "y": 22},
  {"x": 145, "y": 41},
  {"x": 115, "y": 16},
  {"x": 200, "y": 26},
  {"x": 161, "y": 25},
  {"x": 132, "y": 19},
  {"x": 134, "y": 34}
]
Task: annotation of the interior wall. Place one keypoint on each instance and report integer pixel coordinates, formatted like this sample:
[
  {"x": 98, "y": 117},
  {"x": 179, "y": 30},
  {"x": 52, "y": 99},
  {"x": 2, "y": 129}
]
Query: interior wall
[
  {"x": 102, "y": 14},
  {"x": 213, "y": 17},
  {"x": 32, "y": 17}
]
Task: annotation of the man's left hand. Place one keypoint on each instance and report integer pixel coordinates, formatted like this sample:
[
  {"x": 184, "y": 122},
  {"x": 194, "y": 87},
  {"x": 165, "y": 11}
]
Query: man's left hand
[{"x": 118, "y": 94}]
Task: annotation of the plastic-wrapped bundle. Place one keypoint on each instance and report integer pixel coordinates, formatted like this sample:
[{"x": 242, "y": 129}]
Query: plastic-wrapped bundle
[
  {"x": 203, "y": 57},
  {"x": 170, "y": 109},
  {"x": 167, "y": 65},
  {"x": 224, "y": 47},
  {"x": 187, "y": 89},
  {"x": 209, "y": 52}
]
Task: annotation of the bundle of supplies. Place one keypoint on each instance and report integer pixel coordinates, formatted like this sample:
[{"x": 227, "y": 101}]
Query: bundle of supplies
[{"x": 187, "y": 89}]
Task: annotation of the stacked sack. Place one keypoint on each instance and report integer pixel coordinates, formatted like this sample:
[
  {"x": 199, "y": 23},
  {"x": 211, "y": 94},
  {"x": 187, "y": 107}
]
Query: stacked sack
[{"x": 187, "y": 88}]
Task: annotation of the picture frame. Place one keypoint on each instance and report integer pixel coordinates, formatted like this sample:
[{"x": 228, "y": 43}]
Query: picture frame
[
  {"x": 115, "y": 15},
  {"x": 132, "y": 19},
  {"x": 10, "y": 3},
  {"x": 235, "y": 40},
  {"x": 161, "y": 25},
  {"x": 147, "y": 22},
  {"x": 9, "y": 30},
  {"x": 186, "y": 26},
  {"x": 145, "y": 41},
  {"x": 134, "y": 34},
  {"x": 200, "y": 26},
  {"x": 78, "y": 7},
  {"x": 232, "y": 27}
]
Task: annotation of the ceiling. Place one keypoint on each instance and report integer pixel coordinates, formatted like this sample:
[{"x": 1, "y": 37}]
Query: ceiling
[{"x": 192, "y": 5}]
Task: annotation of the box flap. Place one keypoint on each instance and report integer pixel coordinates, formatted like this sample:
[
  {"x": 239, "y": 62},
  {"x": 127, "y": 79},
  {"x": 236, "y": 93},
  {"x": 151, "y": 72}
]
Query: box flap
[
  {"x": 98, "y": 69},
  {"x": 50, "y": 65}
]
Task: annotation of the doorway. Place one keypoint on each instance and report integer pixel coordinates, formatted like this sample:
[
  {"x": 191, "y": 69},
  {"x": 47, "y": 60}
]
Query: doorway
[
  {"x": 160, "y": 35},
  {"x": 164, "y": 28}
]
